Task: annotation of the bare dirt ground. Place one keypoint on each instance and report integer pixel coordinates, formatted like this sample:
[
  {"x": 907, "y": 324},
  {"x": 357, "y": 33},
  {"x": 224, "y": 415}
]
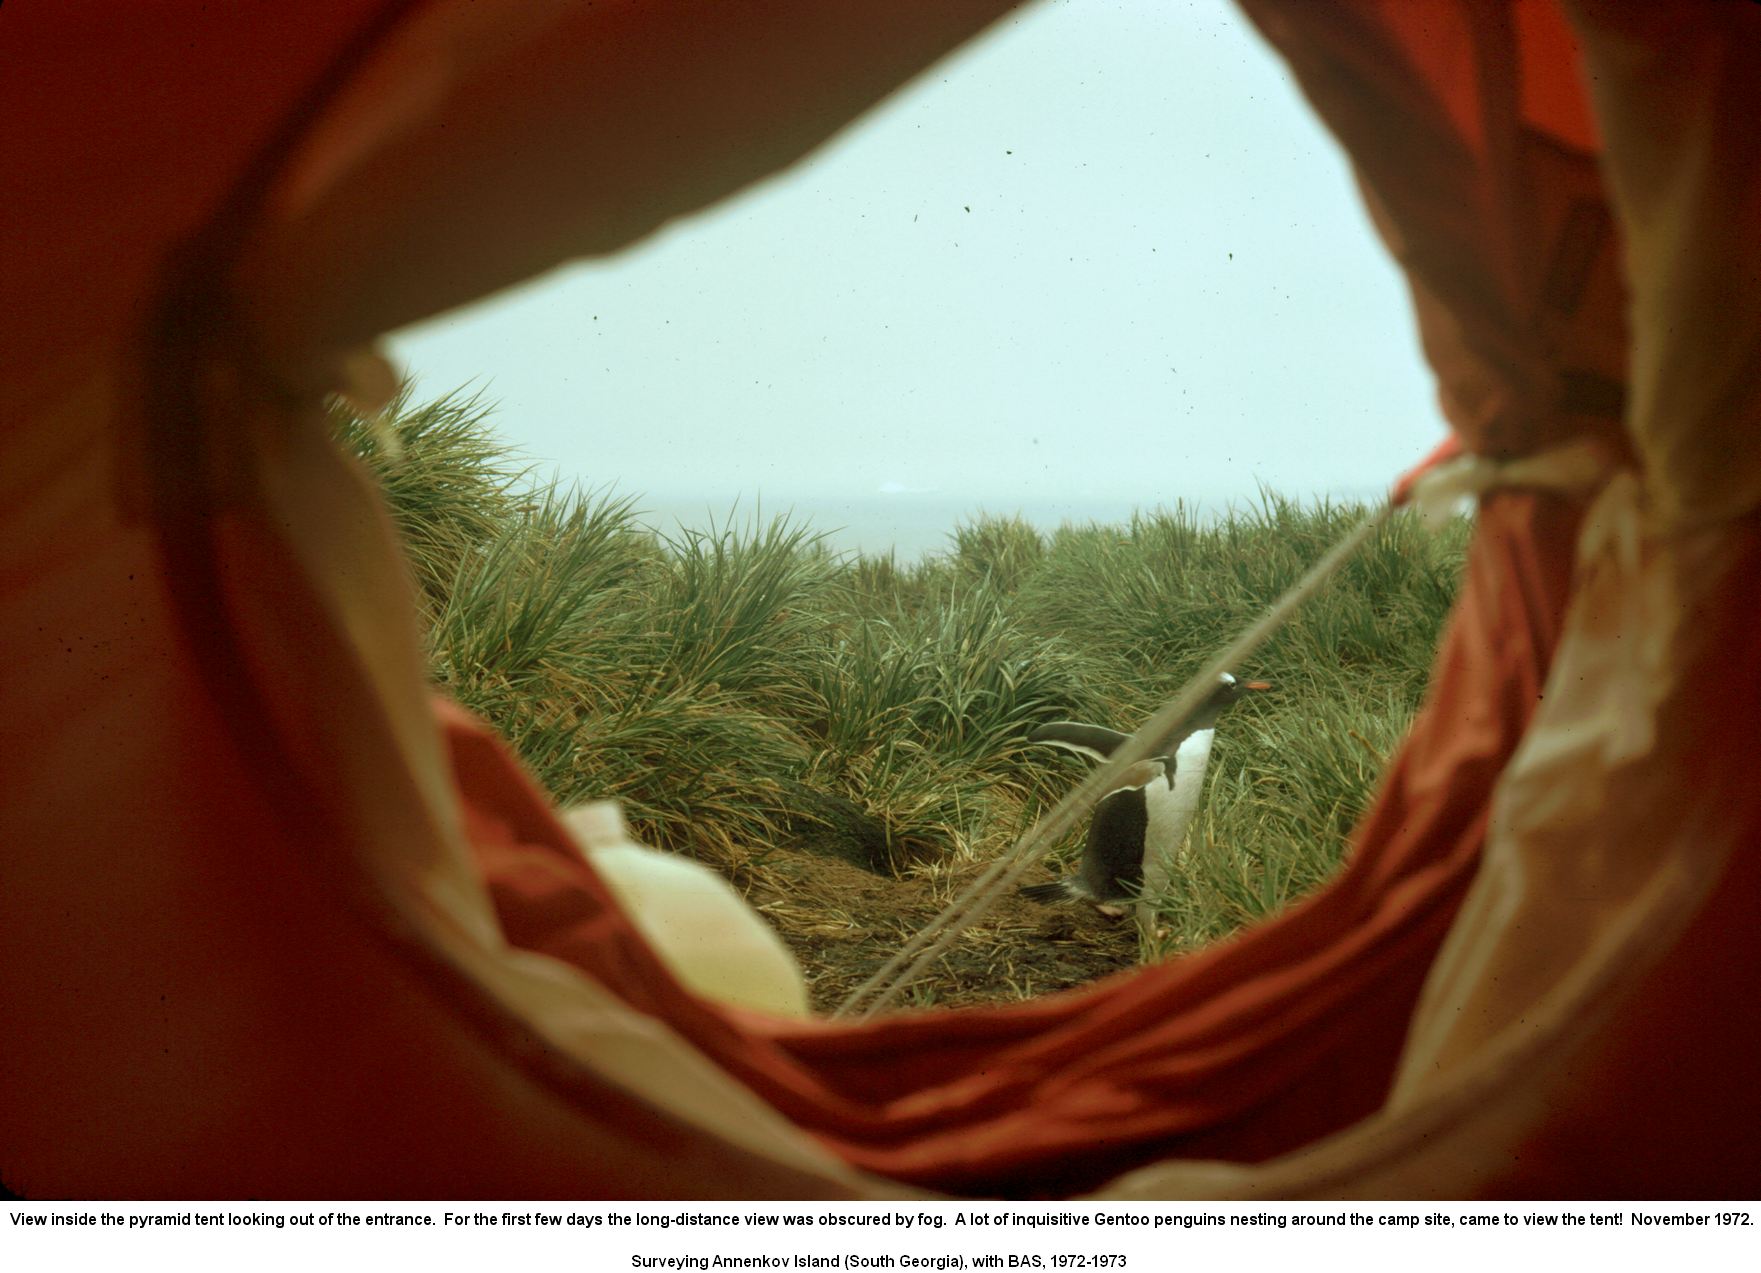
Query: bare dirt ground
[{"x": 843, "y": 921}]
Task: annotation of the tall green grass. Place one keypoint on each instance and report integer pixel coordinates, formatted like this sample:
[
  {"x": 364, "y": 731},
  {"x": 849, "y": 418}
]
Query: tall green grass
[{"x": 740, "y": 686}]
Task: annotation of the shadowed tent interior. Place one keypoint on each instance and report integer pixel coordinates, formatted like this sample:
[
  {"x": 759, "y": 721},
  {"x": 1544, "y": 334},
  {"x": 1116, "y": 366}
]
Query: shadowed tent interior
[{"x": 274, "y": 922}]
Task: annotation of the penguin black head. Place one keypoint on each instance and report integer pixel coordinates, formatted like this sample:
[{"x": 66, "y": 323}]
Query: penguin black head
[{"x": 1228, "y": 693}]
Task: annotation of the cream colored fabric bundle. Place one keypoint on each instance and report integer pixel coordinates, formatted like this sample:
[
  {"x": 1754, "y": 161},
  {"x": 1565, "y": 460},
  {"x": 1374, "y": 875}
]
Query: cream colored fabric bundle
[{"x": 699, "y": 926}]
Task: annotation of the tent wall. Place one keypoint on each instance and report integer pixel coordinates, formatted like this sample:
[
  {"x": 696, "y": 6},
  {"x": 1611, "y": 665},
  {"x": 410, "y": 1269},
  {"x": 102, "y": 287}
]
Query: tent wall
[{"x": 243, "y": 949}]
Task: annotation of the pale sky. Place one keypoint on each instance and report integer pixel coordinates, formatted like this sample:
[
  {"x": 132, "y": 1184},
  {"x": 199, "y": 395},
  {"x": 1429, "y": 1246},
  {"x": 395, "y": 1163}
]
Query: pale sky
[{"x": 1103, "y": 258}]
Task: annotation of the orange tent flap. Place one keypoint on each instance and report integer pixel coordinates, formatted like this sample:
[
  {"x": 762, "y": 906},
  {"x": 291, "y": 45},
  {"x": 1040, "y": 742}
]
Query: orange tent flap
[{"x": 1480, "y": 179}]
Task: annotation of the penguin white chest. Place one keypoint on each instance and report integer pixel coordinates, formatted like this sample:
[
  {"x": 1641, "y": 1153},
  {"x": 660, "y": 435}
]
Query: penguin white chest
[
  {"x": 1189, "y": 778},
  {"x": 1170, "y": 807}
]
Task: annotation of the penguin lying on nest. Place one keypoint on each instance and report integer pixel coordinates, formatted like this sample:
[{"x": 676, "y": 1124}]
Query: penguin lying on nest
[{"x": 1137, "y": 829}]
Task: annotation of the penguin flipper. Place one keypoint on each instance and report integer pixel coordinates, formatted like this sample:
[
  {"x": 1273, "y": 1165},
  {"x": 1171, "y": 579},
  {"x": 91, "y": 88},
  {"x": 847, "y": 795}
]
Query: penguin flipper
[{"x": 1094, "y": 741}]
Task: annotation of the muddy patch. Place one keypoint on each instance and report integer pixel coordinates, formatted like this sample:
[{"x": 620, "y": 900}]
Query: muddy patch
[{"x": 843, "y": 922}]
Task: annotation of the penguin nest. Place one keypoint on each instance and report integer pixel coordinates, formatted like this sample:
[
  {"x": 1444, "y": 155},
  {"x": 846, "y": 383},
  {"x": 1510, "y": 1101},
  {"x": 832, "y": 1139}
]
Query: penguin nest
[{"x": 843, "y": 922}]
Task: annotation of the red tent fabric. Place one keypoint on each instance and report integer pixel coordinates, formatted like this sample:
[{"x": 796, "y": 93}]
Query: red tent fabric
[{"x": 260, "y": 918}]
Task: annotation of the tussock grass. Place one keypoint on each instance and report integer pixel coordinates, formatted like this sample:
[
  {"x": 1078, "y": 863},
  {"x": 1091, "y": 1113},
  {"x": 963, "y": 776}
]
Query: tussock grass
[
  {"x": 450, "y": 487},
  {"x": 999, "y": 551},
  {"x": 741, "y": 687}
]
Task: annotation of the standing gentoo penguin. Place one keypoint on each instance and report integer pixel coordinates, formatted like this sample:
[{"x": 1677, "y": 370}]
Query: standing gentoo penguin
[{"x": 1138, "y": 827}]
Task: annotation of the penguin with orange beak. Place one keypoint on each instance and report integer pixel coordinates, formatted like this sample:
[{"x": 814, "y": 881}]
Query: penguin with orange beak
[{"x": 1137, "y": 829}]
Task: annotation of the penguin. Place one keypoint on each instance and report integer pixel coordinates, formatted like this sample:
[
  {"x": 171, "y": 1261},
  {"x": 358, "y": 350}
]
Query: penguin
[{"x": 1136, "y": 831}]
